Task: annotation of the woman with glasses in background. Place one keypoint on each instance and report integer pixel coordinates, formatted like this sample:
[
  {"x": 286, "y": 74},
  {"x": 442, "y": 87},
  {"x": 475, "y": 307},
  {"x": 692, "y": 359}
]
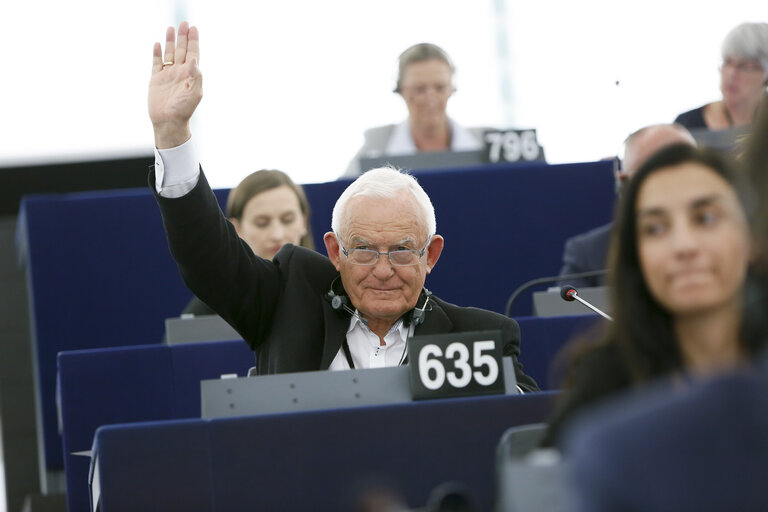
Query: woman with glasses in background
[
  {"x": 425, "y": 82},
  {"x": 743, "y": 80}
]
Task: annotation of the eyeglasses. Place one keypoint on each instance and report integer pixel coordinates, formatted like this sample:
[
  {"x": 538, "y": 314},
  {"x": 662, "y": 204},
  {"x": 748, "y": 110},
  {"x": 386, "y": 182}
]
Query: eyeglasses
[
  {"x": 398, "y": 258},
  {"x": 421, "y": 90},
  {"x": 741, "y": 65}
]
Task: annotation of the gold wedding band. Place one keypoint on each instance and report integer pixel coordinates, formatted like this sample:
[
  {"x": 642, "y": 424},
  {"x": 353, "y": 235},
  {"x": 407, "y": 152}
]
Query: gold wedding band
[{"x": 168, "y": 63}]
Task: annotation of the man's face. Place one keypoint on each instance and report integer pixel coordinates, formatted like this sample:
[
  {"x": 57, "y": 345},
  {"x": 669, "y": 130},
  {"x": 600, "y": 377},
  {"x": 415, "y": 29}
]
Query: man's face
[{"x": 383, "y": 292}]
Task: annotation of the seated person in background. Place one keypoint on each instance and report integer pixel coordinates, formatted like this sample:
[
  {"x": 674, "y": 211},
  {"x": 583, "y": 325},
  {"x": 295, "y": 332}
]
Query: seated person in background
[
  {"x": 302, "y": 311},
  {"x": 701, "y": 449},
  {"x": 679, "y": 259},
  {"x": 268, "y": 211},
  {"x": 425, "y": 82},
  {"x": 743, "y": 78},
  {"x": 589, "y": 251}
]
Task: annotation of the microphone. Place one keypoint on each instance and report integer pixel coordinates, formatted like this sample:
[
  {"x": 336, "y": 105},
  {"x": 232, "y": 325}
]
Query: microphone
[
  {"x": 569, "y": 293},
  {"x": 549, "y": 279},
  {"x": 451, "y": 497}
]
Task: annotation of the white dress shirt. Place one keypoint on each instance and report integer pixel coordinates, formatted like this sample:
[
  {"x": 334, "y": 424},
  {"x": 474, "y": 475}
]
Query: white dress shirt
[
  {"x": 366, "y": 349},
  {"x": 401, "y": 141}
]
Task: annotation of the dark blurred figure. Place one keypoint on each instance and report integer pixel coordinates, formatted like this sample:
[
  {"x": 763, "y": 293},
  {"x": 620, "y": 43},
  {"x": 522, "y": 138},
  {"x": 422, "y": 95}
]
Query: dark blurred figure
[
  {"x": 589, "y": 251},
  {"x": 701, "y": 449},
  {"x": 679, "y": 260}
]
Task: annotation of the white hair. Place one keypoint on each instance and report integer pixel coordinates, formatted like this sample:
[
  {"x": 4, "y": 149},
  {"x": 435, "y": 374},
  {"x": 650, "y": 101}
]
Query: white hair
[
  {"x": 384, "y": 183},
  {"x": 748, "y": 41}
]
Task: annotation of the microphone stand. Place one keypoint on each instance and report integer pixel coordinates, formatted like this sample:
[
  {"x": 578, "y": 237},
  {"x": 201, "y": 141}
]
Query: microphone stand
[
  {"x": 570, "y": 294},
  {"x": 550, "y": 279}
]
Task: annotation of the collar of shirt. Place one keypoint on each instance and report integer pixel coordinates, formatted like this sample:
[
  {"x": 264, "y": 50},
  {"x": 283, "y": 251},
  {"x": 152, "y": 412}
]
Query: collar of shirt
[
  {"x": 365, "y": 347},
  {"x": 401, "y": 141}
]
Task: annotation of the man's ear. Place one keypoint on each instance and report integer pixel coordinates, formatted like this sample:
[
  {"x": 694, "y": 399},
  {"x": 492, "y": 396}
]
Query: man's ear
[
  {"x": 332, "y": 248},
  {"x": 433, "y": 251}
]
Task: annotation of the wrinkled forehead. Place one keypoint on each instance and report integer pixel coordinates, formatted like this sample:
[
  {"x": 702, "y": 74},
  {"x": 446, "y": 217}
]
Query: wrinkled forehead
[{"x": 384, "y": 219}]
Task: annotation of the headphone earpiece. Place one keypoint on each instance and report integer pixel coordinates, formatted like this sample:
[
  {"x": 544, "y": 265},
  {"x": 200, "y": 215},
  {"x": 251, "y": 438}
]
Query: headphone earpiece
[
  {"x": 337, "y": 302},
  {"x": 341, "y": 302}
]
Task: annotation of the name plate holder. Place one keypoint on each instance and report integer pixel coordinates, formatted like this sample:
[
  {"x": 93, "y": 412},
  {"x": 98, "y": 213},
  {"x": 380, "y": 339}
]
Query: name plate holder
[
  {"x": 310, "y": 391},
  {"x": 512, "y": 145},
  {"x": 458, "y": 364}
]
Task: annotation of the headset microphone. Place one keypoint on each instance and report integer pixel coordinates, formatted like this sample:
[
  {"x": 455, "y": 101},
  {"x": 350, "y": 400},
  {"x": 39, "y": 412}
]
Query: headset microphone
[{"x": 417, "y": 318}]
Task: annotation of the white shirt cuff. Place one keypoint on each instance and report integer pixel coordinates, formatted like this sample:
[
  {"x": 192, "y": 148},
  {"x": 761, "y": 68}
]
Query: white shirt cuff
[{"x": 176, "y": 170}]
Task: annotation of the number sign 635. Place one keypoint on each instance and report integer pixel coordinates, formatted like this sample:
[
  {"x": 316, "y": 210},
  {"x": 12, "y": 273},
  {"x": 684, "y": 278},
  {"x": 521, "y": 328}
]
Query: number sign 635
[{"x": 433, "y": 374}]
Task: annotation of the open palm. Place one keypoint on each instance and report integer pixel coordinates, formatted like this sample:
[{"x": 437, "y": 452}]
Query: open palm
[{"x": 176, "y": 86}]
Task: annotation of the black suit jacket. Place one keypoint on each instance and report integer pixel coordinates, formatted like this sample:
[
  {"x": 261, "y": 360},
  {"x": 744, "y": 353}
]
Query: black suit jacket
[
  {"x": 282, "y": 307},
  {"x": 586, "y": 252}
]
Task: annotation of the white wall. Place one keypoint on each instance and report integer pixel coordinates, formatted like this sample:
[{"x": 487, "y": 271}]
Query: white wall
[{"x": 292, "y": 85}]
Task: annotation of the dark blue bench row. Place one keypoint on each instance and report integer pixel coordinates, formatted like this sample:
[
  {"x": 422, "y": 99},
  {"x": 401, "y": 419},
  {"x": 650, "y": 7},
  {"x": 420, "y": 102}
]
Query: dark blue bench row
[
  {"x": 100, "y": 273},
  {"x": 315, "y": 461},
  {"x": 148, "y": 383}
]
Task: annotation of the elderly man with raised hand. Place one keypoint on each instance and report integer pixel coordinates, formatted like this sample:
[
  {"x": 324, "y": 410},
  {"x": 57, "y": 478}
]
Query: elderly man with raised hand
[{"x": 303, "y": 311}]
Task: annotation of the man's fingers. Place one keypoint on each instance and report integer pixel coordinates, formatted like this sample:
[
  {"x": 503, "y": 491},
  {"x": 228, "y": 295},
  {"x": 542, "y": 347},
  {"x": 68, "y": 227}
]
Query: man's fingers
[
  {"x": 181, "y": 44},
  {"x": 169, "y": 44},
  {"x": 186, "y": 49},
  {"x": 193, "y": 45},
  {"x": 157, "y": 58}
]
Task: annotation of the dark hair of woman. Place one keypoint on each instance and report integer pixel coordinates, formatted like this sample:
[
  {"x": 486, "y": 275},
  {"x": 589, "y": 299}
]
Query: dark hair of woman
[
  {"x": 261, "y": 181},
  {"x": 753, "y": 155},
  {"x": 640, "y": 344},
  {"x": 642, "y": 328}
]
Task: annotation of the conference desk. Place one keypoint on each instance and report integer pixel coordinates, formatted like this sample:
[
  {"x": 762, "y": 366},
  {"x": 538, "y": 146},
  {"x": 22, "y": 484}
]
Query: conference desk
[
  {"x": 132, "y": 384},
  {"x": 318, "y": 460},
  {"x": 112, "y": 385},
  {"x": 100, "y": 273}
]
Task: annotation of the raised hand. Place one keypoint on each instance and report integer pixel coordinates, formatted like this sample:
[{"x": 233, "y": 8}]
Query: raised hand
[{"x": 176, "y": 86}]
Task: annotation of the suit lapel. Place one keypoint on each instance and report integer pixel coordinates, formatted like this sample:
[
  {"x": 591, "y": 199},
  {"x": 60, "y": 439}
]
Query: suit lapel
[
  {"x": 336, "y": 326},
  {"x": 436, "y": 321}
]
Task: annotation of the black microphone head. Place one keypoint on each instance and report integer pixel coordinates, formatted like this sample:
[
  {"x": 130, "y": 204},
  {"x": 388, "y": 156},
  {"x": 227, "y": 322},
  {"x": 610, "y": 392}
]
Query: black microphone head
[
  {"x": 451, "y": 497},
  {"x": 567, "y": 292}
]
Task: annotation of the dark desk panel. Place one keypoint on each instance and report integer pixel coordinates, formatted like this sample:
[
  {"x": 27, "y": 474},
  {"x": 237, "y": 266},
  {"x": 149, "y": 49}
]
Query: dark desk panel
[
  {"x": 131, "y": 384},
  {"x": 308, "y": 461},
  {"x": 543, "y": 340},
  {"x": 158, "y": 382}
]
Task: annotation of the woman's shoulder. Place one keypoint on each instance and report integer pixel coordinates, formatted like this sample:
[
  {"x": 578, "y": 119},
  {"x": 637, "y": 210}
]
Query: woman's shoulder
[
  {"x": 379, "y": 133},
  {"x": 694, "y": 118}
]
